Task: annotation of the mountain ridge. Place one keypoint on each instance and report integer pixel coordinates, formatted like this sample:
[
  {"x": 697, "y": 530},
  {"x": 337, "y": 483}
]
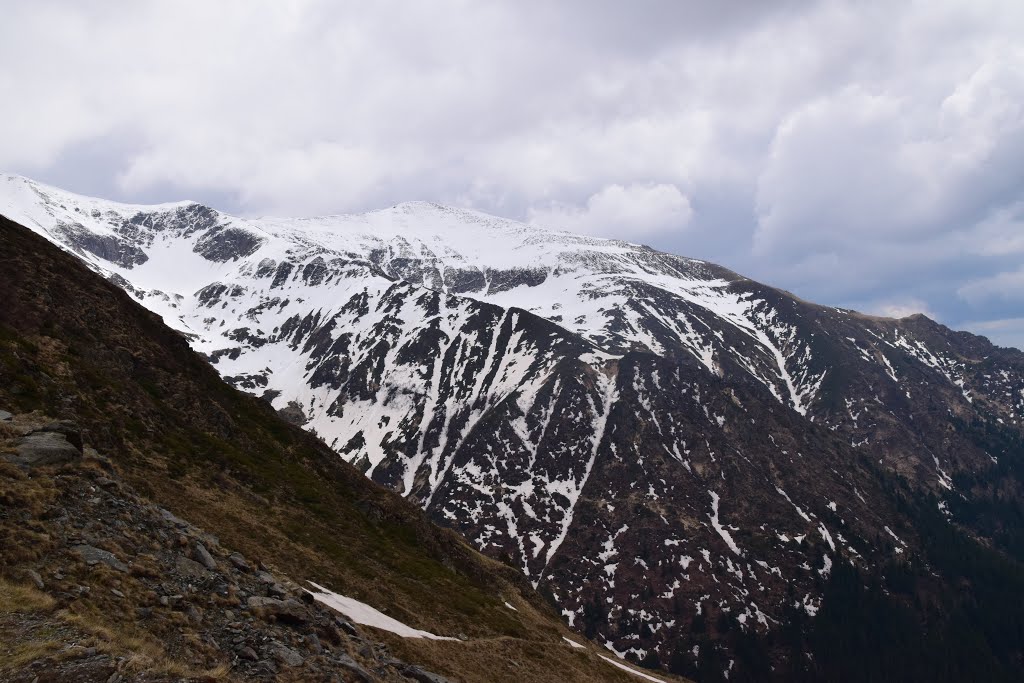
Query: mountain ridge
[
  {"x": 585, "y": 400},
  {"x": 168, "y": 432}
]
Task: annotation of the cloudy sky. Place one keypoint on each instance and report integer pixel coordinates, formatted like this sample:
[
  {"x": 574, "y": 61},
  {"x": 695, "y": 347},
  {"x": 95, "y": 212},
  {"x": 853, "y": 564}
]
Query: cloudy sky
[{"x": 861, "y": 154}]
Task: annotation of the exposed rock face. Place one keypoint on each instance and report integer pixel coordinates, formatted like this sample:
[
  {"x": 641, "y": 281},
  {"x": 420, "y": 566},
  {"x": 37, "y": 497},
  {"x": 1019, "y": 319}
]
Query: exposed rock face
[
  {"x": 107, "y": 247},
  {"x": 227, "y": 244},
  {"x": 292, "y": 413}
]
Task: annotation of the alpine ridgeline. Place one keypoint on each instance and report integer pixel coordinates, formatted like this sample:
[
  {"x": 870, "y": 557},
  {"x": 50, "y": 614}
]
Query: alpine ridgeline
[
  {"x": 705, "y": 473},
  {"x": 158, "y": 525}
]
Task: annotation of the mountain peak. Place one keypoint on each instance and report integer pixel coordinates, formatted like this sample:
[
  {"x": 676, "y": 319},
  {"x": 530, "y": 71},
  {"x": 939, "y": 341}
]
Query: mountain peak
[{"x": 680, "y": 455}]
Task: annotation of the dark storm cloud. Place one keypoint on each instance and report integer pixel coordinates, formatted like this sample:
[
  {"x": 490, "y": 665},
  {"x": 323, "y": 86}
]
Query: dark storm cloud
[{"x": 866, "y": 154}]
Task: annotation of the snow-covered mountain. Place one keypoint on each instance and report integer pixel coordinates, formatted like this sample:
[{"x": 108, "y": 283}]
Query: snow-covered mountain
[{"x": 655, "y": 440}]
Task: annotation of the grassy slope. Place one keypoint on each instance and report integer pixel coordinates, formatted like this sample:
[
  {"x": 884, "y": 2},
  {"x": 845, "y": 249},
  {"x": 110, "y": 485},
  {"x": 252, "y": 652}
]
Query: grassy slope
[{"x": 75, "y": 346}]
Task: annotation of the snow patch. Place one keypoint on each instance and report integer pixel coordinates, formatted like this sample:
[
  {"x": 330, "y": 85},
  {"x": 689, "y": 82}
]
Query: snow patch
[{"x": 361, "y": 613}]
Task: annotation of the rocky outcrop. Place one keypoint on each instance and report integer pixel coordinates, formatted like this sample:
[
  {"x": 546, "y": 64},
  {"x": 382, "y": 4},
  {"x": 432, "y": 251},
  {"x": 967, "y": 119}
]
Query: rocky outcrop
[
  {"x": 51, "y": 444},
  {"x": 112, "y": 554}
]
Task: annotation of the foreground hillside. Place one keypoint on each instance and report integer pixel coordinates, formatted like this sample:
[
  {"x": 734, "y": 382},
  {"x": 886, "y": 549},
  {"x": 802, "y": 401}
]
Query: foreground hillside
[
  {"x": 159, "y": 428},
  {"x": 704, "y": 473}
]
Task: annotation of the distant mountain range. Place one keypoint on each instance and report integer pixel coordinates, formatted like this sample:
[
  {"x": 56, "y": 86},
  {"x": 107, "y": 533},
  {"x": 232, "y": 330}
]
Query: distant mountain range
[{"x": 692, "y": 465}]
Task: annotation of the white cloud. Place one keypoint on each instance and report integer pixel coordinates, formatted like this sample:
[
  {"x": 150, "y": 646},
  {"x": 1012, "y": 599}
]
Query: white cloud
[
  {"x": 900, "y": 309},
  {"x": 849, "y": 151},
  {"x": 867, "y": 163},
  {"x": 1004, "y": 286},
  {"x": 628, "y": 212}
]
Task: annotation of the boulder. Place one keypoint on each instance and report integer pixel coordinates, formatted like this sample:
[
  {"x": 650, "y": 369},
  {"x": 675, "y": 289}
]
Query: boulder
[
  {"x": 422, "y": 675},
  {"x": 93, "y": 555},
  {"x": 35, "y": 578},
  {"x": 69, "y": 429},
  {"x": 44, "y": 448},
  {"x": 291, "y": 611},
  {"x": 190, "y": 569},
  {"x": 171, "y": 518},
  {"x": 239, "y": 562},
  {"x": 346, "y": 626},
  {"x": 203, "y": 557},
  {"x": 353, "y": 667},
  {"x": 5, "y": 416},
  {"x": 286, "y": 655}
]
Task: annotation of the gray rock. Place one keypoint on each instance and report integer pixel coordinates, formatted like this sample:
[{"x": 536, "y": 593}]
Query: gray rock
[
  {"x": 248, "y": 653},
  {"x": 346, "y": 626},
  {"x": 203, "y": 557},
  {"x": 422, "y": 675},
  {"x": 266, "y": 577},
  {"x": 36, "y": 579},
  {"x": 283, "y": 610},
  {"x": 286, "y": 655},
  {"x": 172, "y": 518},
  {"x": 93, "y": 555},
  {"x": 240, "y": 562},
  {"x": 293, "y": 413},
  {"x": 69, "y": 429},
  {"x": 5, "y": 416},
  {"x": 43, "y": 448},
  {"x": 266, "y": 667},
  {"x": 352, "y": 666},
  {"x": 117, "y": 592},
  {"x": 190, "y": 568}
]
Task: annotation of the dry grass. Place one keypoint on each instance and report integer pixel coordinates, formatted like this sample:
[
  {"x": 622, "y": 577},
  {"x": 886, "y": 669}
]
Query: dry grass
[
  {"x": 18, "y": 490},
  {"x": 17, "y": 600},
  {"x": 22, "y": 645},
  {"x": 510, "y": 660},
  {"x": 140, "y": 651},
  {"x": 7, "y": 431},
  {"x": 22, "y": 654},
  {"x": 145, "y": 566},
  {"x": 18, "y": 597}
]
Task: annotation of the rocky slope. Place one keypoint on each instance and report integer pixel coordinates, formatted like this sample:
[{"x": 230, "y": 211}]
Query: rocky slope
[
  {"x": 94, "y": 547},
  {"x": 94, "y": 550},
  {"x": 678, "y": 455}
]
